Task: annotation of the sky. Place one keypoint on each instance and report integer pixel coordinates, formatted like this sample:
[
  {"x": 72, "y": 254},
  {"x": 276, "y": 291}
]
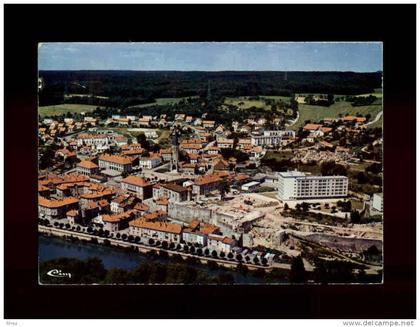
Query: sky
[{"x": 212, "y": 56}]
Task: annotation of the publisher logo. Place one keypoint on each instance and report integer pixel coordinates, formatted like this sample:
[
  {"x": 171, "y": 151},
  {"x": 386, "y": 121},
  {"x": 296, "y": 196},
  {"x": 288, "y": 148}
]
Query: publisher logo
[{"x": 58, "y": 273}]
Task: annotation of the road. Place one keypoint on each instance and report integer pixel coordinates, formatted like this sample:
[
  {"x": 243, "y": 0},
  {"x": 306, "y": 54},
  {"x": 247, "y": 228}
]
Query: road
[{"x": 378, "y": 116}]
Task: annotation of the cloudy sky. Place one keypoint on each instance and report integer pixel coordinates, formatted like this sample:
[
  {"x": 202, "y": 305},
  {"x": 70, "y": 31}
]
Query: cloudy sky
[{"x": 211, "y": 56}]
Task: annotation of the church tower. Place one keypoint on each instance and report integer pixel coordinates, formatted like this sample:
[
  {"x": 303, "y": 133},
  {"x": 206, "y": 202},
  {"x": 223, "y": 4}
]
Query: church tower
[{"x": 175, "y": 149}]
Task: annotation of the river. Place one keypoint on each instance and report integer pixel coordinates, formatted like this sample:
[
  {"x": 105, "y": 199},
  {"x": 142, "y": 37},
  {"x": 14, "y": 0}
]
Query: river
[{"x": 51, "y": 247}]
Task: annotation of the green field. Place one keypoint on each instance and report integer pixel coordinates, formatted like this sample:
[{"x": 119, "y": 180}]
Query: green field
[
  {"x": 61, "y": 109},
  {"x": 244, "y": 102},
  {"x": 317, "y": 113},
  {"x": 162, "y": 102}
]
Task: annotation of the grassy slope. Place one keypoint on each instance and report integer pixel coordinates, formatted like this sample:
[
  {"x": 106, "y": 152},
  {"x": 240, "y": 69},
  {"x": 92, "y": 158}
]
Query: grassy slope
[
  {"x": 162, "y": 101},
  {"x": 64, "y": 108},
  {"x": 253, "y": 103},
  {"x": 316, "y": 113}
]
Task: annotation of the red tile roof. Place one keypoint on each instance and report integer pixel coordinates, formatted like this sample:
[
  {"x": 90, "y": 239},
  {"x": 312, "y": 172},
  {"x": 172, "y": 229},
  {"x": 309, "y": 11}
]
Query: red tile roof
[
  {"x": 87, "y": 164},
  {"x": 44, "y": 202},
  {"x": 136, "y": 180},
  {"x": 157, "y": 226}
]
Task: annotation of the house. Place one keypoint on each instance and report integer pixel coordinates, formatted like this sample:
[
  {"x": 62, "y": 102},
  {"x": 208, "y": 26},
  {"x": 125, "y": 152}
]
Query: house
[
  {"x": 311, "y": 127},
  {"x": 220, "y": 164},
  {"x": 192, "y": 147},
  {"x": 173, "y": 192},
  {"x": 144, "y": 121},
  {"x": 137, "y": 185},
  {"x": 56, "y": 208},
  {"x": 193, "y": 157},
  {"x": 152, "y": 161},
  {"x": 87, "y": 168},
  {"x": 118, "y": 221},
  {"x": 141, "y": 208},
  {"x": 115, "y": 162},
  {"x": 155, "y": 230},
  {"x": 158, "y": 215},
  {"x": 301, "y": 99},
  {"x": 208, "y": 123},
  {"x": 124, "y": 202},
  {"x": 221, "y": 243},
  {"x": 189, "y": 168},
  {"x": 196, "y": 233},
  {"x": 166, "y": 154},
  {"x": 213, "y": 150},
  {"x": 152, "y": 134},
  {"x": 90, "y": 120},
  {"x": 121, "y": 140},
  {"x": 223, "y": 143},
  {"x": 243, "y": 143},
  {"x": 358, "y": 120},
  {"x": 206, "y": 184},
  {"x": 97, "y": 140},
  {"x": 73, "y": 217},
  {"x": 179, "y": 117},
  {"x": 66, "y": 154},
  {"x": 188, "y": 119}
]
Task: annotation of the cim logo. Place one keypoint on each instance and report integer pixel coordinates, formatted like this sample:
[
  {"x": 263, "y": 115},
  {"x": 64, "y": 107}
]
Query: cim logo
[{"x": 58, "y": 273}]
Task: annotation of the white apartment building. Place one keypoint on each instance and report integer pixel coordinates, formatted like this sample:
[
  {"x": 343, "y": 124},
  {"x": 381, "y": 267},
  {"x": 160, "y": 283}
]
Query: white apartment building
[
  {"x": 378, "y": 202},
  {"x": 272, "y": 137},
  {"x": 295, "y": 185}
]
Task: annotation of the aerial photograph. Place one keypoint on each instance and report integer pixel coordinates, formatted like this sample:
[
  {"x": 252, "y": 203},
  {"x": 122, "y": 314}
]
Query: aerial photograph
[{"x": 210, "y": 163}]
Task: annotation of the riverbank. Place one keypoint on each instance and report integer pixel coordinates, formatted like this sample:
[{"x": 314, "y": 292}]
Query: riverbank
[{"x": 144, "y": 249}]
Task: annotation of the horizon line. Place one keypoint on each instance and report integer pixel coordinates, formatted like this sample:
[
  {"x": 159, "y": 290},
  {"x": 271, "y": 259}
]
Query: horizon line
[{"x": 211, "y": 71}]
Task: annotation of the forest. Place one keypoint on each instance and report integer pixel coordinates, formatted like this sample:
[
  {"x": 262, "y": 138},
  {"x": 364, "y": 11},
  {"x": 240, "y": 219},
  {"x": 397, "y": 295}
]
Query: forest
[{"x": 128, "y": 88}]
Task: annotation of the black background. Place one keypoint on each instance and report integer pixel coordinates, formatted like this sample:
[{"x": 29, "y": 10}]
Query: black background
[{"x": 26, "y": 25}]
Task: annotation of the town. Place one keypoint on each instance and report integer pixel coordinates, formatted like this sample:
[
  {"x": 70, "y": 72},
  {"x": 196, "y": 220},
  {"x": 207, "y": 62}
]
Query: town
[{"x": 252, "y": 191}]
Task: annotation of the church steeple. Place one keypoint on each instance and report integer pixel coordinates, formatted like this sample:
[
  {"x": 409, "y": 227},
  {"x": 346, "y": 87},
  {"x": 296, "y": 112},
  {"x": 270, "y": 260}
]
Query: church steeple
[{"x": 175, "y": 149}]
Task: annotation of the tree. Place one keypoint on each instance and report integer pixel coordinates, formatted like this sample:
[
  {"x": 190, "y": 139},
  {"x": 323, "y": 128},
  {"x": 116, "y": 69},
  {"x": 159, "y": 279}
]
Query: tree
[
  {"x": 286, "y": 207},
  {"x": 256, "y": 260},
  {"x": 297, "y": 273},
  {"x": 137, "y": 239},
  {"x": 164, "y": 244},
  {"x": 199, "y": 251},
  {"x": 118, "y": 235},
  {"x": 206, "y": 251},
  {"x": 130, "y": 238},
  {"x": 214, "y": 254},
  {"x": 224, "y": 188},
  {"x": 239, "y": 257},
  {"x": 192, "y": 249},
  {"x": 151, "y": 241},
  {"x": 222, "y": 254},
  {"x": 264, "y": 261},
  {"x": 226, "y": 278},
  {"x": 124, "y": 236},
  {"x": 230, "y": 255},
  {"x": 305, "y": 207},
  {"x": 67, "y": 225},
  {"x": 355, "y": 217},
  {"x": 186, "y": 248},
  {"x": 117, "y": 276}
]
